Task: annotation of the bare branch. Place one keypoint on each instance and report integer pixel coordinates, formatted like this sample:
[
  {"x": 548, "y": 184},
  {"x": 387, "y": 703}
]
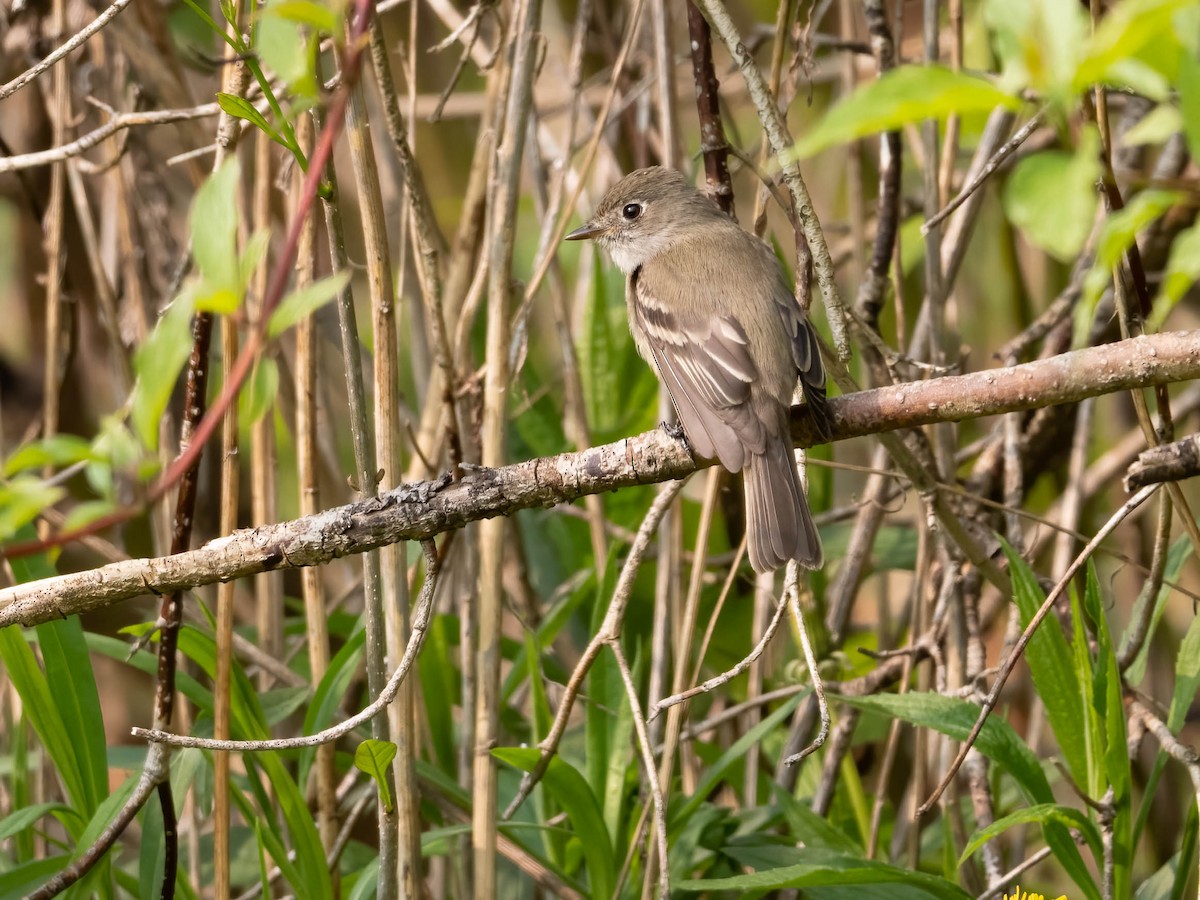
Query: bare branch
[
  {"x": 421, "y": 510},
  {"x": 74, "y": 42}
]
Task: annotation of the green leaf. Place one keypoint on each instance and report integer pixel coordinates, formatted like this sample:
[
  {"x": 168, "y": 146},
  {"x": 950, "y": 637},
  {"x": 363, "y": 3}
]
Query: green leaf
[
  {"x": 241, "y": 108},
  {"x": 287, "y": 50},
  {"x": 1051, "y": 197},
  {"x": 597, "y": 350},
  {"x": 157, "y": 364},
  {"x": 43, "y": 713},
  {"x": 1118, "y": 234},
  {"x": 1049, "y": 658},
  {"x": 571, "y": 790},
  {"x": 152, "y": 851},
  {"x": 1156, "y": 127},
  {"x": 1108, "y": 699},
  {"x": 22, "y": 500},
  {"x": 1038, "y": 43},
  {"x": 1179, "y": 554},
  {"x": 998, "y": 742},
  {"x": 258, "y": 394},
  {"x": 58, "y": 450},
  {"x": 72, "y": 681},
  {"x": 88, "y": 512},
  {"x": 253, "y": 254},
  {"x": 318, "y": 16},
  {"x": 903, "y": 96},
  {"x": 1187, "y": 675},
  {"x": 1133, "y": 33},
  {"x": 824, "y": 868},
  {"x": 374, "y": 757},
  {"x": 299, "y": 304},
  {"x": 1041, "y": 814},
  {"x": 24, "y": 818},
  {"x": 1183, "y": 269},
  {"x": 1188, "y": 84},
  {"x": 213, "y": 226}
]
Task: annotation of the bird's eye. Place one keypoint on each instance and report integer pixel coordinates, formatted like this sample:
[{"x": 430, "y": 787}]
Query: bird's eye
[{"x": 632, "y": 211}]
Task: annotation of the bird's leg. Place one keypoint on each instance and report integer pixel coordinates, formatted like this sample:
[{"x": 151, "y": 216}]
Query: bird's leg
[{"x": 675, "y": 431}]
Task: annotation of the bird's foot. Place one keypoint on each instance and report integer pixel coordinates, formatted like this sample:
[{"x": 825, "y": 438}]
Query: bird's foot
[{"x": 675, "y": 430}]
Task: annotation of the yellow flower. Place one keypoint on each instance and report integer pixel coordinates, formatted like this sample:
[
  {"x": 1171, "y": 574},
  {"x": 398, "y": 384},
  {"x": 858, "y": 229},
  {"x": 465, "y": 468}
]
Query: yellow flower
[{"x": 1019, "y": 894}]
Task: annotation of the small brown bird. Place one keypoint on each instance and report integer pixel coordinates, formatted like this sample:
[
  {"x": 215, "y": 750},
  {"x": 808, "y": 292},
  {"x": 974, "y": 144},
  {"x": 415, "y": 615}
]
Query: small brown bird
[{"x": 710, "y": 307}]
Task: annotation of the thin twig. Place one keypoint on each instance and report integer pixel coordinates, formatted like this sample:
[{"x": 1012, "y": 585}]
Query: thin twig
[
  {"x": 781, "y": 144},
  {"x": 76, "y": 40},
  {"x": 1011, "y": 660},
  {"x": 610, "y": 629},
  {"x": 791, "y": 590},
  {"x": 422, "y": 616},
  {"x": 656, "y": 791}
]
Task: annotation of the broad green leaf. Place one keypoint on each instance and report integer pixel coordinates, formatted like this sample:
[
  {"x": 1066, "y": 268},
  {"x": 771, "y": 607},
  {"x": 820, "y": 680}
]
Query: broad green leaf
[
  {"x": 1049, "y": 659},
  {"x": 59, "y": 450},
  {"x": 1051, "y": 196},
  {"x": 571, "y": 791},
  {"x": 321, "y": 17},
  {"x": 1117, "y": 235},
  {"x": 258, "y": 394},
  {"x": 253, "y": 254},
  {"x": 113, "y": 448},
  {"x": 1156, "y": 127},
  {"x": 213, "y": 227},
  {"x": 287, "y": 50},
  {"x": 374, "y": 758},
  {"x": 87, "y": 512},
  {"x": 22, "y": 500},
  {"x": 901, "y": 97},
  {"x": 1038, "y": 42},
  {"x": 1183, "y": 269},
  {"x": 1133, "y": 31},
  {"x": 955, "y": 718},
  {"x": 832, "y": 869},
  {"x": 813, "y": 830},
  {"x": 299, "y": 304},
  {"x": 1040, "y": 813},
  {"x": 157, "y": 364},
  {"x": 999, "y": 743}
]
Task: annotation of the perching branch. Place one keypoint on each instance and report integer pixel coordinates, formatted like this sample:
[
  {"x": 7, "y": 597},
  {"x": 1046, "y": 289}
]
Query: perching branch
[{"x": 422, "y": 510}]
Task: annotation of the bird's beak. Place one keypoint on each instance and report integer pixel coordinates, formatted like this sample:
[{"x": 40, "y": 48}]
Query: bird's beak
[{"x": 582, "y": 233}]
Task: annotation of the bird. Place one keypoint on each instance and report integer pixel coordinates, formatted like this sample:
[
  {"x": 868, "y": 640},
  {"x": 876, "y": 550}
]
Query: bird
[{"x": 711, "y": 309}]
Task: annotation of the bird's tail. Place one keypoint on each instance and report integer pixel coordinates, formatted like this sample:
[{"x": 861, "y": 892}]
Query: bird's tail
[{"x": 779, "y": 525}]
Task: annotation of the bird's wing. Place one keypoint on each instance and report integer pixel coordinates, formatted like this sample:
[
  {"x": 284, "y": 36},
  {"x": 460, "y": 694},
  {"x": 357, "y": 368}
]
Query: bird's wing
[
  {"x": 807, "y": 355},
  {"x": 706, "y": 366}
]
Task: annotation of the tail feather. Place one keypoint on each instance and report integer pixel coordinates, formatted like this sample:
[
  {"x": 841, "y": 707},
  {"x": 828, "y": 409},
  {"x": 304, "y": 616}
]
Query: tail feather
[{"x": 779, "y": 525}]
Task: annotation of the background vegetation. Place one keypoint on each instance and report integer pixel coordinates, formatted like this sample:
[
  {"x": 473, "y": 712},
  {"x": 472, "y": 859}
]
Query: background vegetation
[{"x": 258, "y": 261}]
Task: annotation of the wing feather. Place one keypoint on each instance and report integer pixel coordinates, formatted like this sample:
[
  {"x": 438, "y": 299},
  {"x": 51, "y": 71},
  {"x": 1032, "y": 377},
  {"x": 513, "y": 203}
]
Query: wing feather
[{"x": 708, "y": 371}]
